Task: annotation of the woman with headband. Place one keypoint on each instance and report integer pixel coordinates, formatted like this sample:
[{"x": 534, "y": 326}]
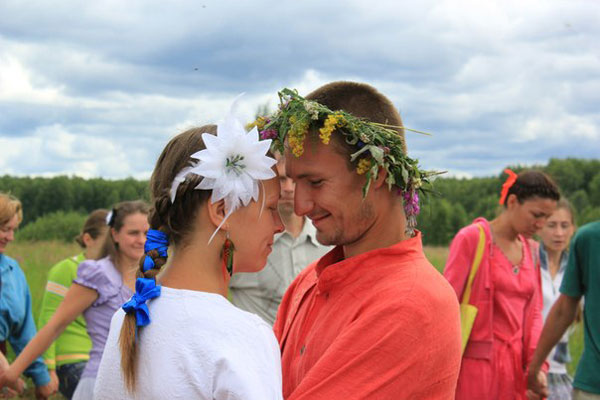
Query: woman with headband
[
  {"x": 99, "y": 290},
  {"x": 505, "y": 288},
  {"x": 215, "y": 196}
]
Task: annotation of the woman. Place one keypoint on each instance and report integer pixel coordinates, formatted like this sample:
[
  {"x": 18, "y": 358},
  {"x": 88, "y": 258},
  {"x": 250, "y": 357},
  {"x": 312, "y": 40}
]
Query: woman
[
  {"x": 190, "y": 342},
  {"x": 100, "y": 288},
  {"x": 16, "y": 320},
  {"x": 554, "y": 254},
  {"x": 505, "y": 290},
  {"x": 67, "y": 356}
]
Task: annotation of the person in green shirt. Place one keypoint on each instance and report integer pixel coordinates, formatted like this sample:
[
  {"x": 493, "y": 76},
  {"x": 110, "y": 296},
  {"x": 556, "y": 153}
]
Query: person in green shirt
[
  {"x": 582, "y": 278},
  {"x": 67, "y": 356}
]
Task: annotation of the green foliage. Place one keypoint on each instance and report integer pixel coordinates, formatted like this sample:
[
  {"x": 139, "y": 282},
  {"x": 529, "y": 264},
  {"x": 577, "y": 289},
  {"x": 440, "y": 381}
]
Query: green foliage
[
  {"x": 459, "y": 200},
  {"x": 41, "y": 196},
  {"x": 456, "y": 202},
  {"x": 54, "y": 226}
]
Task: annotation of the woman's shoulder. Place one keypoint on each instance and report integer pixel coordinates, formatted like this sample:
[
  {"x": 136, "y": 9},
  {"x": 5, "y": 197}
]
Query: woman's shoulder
[
  {"x": 209, "y": 314},
  {"x": 68, "y": 266},
  {"x": 100, "y": 275},
  {"x": 9, "y": 261}
]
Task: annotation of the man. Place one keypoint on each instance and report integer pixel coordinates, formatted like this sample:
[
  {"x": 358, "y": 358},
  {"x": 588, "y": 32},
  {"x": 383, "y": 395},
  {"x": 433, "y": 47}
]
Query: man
[
  {"x": 372, "y": 319},
  {"x": 293, "y": 250},
  {"x": 582, "y": 278}
]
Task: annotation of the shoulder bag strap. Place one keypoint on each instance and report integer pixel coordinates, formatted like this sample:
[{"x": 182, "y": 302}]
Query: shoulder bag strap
[{"x": 475, "y": 266}]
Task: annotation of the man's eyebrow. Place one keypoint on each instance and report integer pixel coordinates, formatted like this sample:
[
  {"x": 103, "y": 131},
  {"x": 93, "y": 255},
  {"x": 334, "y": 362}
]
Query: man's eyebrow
[{"x": 304, "y": 175}]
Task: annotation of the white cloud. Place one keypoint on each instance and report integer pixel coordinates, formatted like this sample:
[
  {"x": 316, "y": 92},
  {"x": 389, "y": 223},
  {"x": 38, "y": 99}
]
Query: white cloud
[{"x": 97, "y": 89}]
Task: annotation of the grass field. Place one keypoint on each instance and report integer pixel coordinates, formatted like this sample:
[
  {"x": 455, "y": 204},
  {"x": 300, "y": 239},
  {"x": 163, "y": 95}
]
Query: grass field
[{"x": 37, "y": 258}]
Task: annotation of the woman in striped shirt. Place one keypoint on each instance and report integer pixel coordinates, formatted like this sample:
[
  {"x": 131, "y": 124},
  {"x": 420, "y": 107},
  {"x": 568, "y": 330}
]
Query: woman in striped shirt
[{"x": 67, "y": 356}]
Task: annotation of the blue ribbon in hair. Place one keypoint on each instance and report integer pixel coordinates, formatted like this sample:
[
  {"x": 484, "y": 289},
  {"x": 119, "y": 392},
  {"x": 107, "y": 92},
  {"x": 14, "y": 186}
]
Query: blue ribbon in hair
[
  {"x": 155, "y": 240},
  {"x": 145, "y": 289}
]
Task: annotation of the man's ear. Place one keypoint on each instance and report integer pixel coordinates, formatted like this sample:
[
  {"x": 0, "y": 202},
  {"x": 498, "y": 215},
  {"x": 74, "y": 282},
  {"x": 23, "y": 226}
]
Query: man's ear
[
  {"x": 216, "y": 212},
  {"x": 380, "y": 181}
]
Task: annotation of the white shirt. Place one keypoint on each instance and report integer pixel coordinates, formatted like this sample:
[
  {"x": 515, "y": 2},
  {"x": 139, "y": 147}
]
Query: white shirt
[
  {"x": 550, "y": 289},
  {"x": 198, "y": 346},
  {"x": 261, "y": 292}
]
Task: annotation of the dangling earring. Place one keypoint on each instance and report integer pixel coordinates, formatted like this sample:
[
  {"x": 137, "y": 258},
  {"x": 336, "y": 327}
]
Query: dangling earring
[{"x": 228, "y": 249}]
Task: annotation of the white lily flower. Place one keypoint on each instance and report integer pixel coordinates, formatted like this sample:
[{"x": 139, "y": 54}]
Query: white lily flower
[{"x": 232, "y": 164}]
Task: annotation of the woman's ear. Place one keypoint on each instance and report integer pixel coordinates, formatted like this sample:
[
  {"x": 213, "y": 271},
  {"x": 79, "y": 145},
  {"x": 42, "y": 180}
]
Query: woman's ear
[
  {"x": 87, "y": 239},
  {"x": 511, "y": 200},
  {"x": 216, "y": 212}
]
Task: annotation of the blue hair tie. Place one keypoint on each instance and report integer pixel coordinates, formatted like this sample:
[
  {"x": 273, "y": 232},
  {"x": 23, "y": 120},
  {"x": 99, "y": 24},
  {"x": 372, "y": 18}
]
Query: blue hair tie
[
  {"x": 155, "y": 240},
  {"x": 145, "y": 289}
]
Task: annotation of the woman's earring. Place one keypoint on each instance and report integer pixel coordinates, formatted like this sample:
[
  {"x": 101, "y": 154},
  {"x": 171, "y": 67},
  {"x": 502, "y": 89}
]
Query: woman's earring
[{"x": 228, "y": 249}]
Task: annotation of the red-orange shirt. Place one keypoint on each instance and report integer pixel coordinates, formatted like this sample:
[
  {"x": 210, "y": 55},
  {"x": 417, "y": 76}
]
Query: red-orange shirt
[{"x": 381, "y": 325}]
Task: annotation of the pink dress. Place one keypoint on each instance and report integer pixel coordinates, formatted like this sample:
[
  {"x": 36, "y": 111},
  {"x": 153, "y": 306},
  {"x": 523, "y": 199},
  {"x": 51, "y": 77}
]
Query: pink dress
[
  {"x": 514, "y": 314},
  {"x": 514, "y": 288}
]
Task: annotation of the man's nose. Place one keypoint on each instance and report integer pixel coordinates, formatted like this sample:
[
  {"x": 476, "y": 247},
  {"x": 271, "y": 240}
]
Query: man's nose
[
  {"x": 303, "y": 204},
  {"x": 287, "y": 185}
]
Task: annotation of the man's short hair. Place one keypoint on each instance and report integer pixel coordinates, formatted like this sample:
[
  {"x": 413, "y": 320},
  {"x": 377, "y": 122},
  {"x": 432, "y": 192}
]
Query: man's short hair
[{"x": 360, "y": 100}]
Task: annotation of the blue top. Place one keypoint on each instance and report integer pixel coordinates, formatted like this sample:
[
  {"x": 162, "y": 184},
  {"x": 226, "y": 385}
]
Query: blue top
[{"x": 16, "y": 321}]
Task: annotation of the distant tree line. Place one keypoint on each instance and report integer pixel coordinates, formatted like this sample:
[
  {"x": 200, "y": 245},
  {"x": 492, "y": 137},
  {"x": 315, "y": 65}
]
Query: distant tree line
[
  {"x": 42, "y": 196},
  {"x": 460, "y": 201},
  {"x": 55, "y": 203}
]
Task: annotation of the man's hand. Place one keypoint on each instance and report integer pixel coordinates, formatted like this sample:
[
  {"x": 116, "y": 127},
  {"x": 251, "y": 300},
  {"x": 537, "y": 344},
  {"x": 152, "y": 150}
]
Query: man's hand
[
  {"x": 537, "y": 384},
  {"x": 10, "y": 383},
  {"x": 53, "y": 378},
  {"x": 43, "y": 392}
]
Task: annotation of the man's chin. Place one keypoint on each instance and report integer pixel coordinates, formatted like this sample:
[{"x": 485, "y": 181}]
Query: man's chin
[{"x": 286, "y": 209}]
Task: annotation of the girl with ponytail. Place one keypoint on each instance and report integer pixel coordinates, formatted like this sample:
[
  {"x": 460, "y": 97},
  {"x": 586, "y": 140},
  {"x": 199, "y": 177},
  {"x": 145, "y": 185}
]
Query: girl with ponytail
[
  {"x": 100, "y": 288},
  {"x": 179, "y": 337}
]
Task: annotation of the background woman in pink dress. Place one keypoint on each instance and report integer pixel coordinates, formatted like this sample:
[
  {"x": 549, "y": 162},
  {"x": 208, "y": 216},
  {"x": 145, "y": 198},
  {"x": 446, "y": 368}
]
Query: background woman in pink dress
[{"x": 506, "y": 289}]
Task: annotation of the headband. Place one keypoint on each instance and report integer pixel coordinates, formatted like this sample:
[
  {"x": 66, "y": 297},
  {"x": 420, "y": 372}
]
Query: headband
[{"x": 510, "y": 180}]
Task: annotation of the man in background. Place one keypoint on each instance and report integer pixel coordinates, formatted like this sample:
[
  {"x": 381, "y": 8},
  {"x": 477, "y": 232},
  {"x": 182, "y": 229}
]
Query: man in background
[
  {"x": 581, "y": 279},
  {"x": 294, "y": 249}
]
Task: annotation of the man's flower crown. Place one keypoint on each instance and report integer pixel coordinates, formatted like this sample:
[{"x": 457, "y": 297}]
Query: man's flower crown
[{"x": 378, "y": 145}]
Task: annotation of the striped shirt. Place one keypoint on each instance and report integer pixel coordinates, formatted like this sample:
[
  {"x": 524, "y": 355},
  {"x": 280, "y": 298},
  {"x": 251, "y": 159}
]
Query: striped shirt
[{"x": 74, "y": 344}]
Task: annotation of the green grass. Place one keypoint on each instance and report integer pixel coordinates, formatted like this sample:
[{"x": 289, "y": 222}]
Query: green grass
[{"x": 36, "y": 258}]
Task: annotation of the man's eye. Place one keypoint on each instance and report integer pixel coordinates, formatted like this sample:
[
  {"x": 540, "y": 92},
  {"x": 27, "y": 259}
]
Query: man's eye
[{"x": 316, "y": 182}]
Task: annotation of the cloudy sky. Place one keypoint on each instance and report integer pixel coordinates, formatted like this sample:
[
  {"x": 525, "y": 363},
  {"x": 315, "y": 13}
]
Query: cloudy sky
[{"x": 97, "y": 88}]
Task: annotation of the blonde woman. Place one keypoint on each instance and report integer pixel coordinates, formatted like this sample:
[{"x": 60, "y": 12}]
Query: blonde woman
[
  {"x": 16, "y": 320},
  {"x": 555, "y": 236},
  {"x": 100, "y": 288}
]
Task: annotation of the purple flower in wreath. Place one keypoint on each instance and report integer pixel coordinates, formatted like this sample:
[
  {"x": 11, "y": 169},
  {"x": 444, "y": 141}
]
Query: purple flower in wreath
[
  {"x": 411, "y": 202},
  {"x": 268, "y": 134}
]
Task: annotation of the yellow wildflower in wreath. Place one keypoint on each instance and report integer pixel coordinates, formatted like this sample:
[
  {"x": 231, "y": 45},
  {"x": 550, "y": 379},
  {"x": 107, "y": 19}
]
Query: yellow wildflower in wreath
[
  {"x": 297, "y": 134},
  {"x": 259, "y": 123},
  {"x": 364, "y": 164},
  {"x": 332, "y": 122}
]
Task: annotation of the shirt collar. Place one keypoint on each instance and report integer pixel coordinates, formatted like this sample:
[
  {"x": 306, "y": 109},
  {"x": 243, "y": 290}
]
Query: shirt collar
[
  {"x": 564, "y": 258},
  {"x": 308, "y": 232},
  {"x": 5, "y": 262},
  {"x": 333, "y": 268}
]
